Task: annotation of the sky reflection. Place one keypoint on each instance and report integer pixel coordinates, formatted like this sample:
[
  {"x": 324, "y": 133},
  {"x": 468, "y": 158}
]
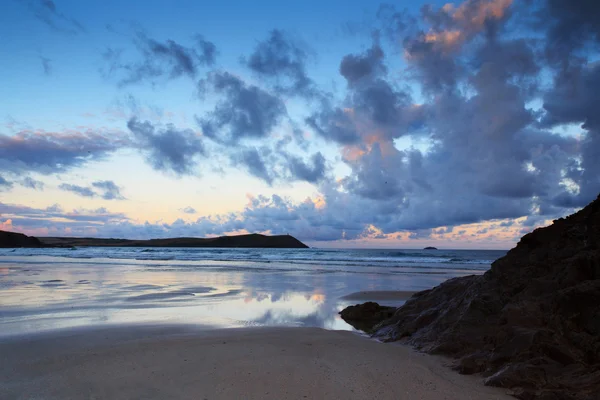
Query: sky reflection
[{"x": 37, "y": 295}]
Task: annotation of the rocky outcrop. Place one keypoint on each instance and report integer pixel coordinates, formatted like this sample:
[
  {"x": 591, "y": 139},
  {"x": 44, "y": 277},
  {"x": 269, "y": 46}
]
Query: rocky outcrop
[
  {"x": 365, "y": 316},
  {"x": 531, "y": 323},
  {"x": 12, "y": 239}
]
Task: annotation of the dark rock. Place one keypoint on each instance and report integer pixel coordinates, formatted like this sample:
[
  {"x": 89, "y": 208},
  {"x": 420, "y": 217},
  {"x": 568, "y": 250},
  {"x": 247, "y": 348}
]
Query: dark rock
[
  {"x": 12, "y": 239},
  {"x": 531, "y": 323},
  {"x": 254, "y": 240},
  {"x": 365, "y": 316},
  {"x": 430, "y": 248}
]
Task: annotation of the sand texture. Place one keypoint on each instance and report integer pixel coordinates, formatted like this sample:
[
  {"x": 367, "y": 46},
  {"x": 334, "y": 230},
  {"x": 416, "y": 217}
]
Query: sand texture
[{"x": 250, "y": 363}]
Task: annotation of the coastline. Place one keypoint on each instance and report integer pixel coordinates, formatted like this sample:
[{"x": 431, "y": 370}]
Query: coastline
[
  {"x": 252, "y": 363},
  {"x": 381, "y": 295}
]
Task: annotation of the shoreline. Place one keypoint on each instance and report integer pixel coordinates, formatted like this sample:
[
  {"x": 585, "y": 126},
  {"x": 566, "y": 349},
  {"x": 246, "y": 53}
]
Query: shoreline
[
  {"x": 381, "y": 295},
  {"x": 254, "y": 363}
]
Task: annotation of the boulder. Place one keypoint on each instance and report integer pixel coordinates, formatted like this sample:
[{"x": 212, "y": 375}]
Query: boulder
[{"x": 365, "y": 316}]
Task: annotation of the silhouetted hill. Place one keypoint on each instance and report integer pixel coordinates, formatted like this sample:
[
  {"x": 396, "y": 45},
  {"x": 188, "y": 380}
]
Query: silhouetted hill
[
  {"x": 247, "y": 241},
  {"x": 13, "y": 239}
]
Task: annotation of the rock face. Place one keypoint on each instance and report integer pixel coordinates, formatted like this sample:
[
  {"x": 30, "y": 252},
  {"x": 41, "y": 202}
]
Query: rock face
[
  {"x": 366, "y": 316},
  {"x": 12, "y": 239},
  {"x": 531, "y": 323}
]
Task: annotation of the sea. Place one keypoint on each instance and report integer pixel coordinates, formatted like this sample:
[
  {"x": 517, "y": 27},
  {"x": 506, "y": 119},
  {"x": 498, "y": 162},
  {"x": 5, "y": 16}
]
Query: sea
[{"x": 56, "y": 288}]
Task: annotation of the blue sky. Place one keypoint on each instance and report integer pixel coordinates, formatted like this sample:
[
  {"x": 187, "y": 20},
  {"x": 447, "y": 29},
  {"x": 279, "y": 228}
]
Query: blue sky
[{"x": 344, "y": 123}]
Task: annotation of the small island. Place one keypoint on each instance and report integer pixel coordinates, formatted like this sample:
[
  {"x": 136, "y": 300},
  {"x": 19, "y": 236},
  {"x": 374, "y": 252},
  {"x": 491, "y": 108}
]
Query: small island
[
  {"x": 254, "y": 240},
  {"x": 430, "y": 248}
]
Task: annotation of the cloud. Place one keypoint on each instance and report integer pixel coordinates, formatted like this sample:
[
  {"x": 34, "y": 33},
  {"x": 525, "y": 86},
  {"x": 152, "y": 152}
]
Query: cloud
[
  {"x": 47, "y": 12},
  {"x": 167, "y": 59},
  {"x": 394, "y": 24},
  {"x": 487, "y": 156},
  {"x": 167, "y": 148},
  {"x": 31, "y": 183},
  {"x": 51, "y": 152},
  {"x": 356, "y": 67},
  {"x": 573, "y": 100},
  {"x": 486, "y": 121},
  {"x": 570, "y": 26},
  {"x": 373, "y": 106},
  {"x": 189, "y": 210},
  {"x": 255, "y": 162},
  {"x": 54, "y": 220},
  {"x": 245, "y": 111},
  {"x": 281, "y": 59},
  {"x": 79, "y": 190},
  {"x": 108, "y": 190},
  {"x": 432, "y": 54},
  {"x": 335, "y": 124},
  {"x": 4, "y": 184},
  {"x": 312, "y": 172},
  {"x": 46, "y": 65}
]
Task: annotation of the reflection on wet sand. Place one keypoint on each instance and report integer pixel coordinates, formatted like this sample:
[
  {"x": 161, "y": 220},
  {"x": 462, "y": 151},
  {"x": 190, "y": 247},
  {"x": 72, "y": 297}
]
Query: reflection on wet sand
[{"x": 36, "y": 296}]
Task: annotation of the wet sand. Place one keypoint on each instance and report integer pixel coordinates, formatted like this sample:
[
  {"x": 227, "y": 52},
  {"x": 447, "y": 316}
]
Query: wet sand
[
  {"x": 249, "y": 363},
  {"x": 395, "y": 295}
]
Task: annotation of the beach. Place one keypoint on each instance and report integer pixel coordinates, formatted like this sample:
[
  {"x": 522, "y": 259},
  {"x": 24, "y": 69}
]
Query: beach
[
  {"x": 239, "y": 363},
  {"x": 217, "y": 324}
]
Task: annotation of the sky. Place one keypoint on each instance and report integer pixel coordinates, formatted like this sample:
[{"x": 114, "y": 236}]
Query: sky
[{"x": 343, "y": 123}]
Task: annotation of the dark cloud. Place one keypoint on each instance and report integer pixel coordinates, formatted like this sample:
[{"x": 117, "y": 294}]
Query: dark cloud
[
  {"x": 80, "y": 222},
  {"x": 573, "y": 100},
  {"x": 487, "y": 156},
  {"x": 373, "y": 104},
  {"x": 356, "y": 67},
  {"x": 167, "y": 59},
  {"x": 4, "y": 184},
  {"x": 79, "y": 190},
  {"x": 47, "y": 12},
  {"x": 574, "y": 97},
  {"x": 281, "y": 59},
  {"x": 279, "y": 165},
  {"x": 434, "y": 69},
  {"x": 571, "y": 25},
  {"x": 50, "y": 152},
  {"x": 395, "y": 24},
  {"x": 335, "y": 124},
  {"x": 168, "y": 149},
  {"x": 255, "y": 161},
  {"x": 245, "y": 112},
  {"x": 109, "y": 190},
  {"x": 31, "y": 183},
  {"x": 376, "y": 176},
  {"x": 46, "y": 65},
  {"x": 313, "y": 171}
]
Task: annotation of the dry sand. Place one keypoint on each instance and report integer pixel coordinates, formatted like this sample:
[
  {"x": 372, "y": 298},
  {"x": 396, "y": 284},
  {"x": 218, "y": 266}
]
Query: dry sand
[
  {"x": 251, "y": 363},
  {"x": 379, "y": 295}
]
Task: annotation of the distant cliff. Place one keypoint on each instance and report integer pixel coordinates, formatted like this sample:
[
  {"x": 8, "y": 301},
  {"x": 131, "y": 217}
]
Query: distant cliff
[
  {"x": 12, "y": 239},
  {"x": 248, "y": 241}
]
